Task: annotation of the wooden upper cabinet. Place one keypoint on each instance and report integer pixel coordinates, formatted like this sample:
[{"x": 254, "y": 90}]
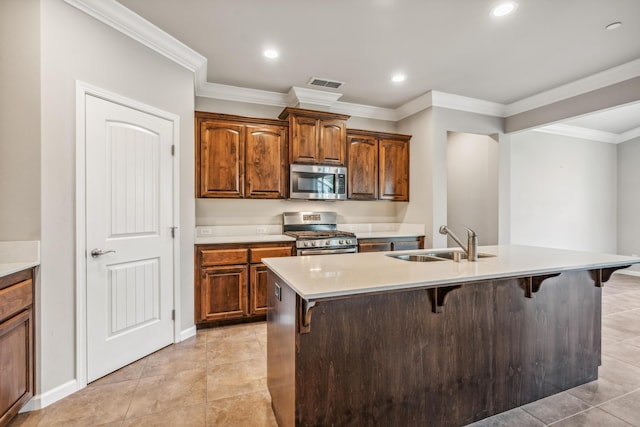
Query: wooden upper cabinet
[
  {"x": 378, "y": 165},
  {"x": 240, "y": 157},
  {"x": 333, "y": 138},
  {"x": 316, "y": 137},
  {"x": 362, "y": 167},
  {"x": 394, "y": 169},
  {"x": 221, "y": 165},
  {"x": 266, "y": 161}
]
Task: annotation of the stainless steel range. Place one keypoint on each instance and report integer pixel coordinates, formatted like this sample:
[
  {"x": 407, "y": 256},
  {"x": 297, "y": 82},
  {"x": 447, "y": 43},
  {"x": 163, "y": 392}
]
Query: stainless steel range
[{"x": 316, "y": 233}]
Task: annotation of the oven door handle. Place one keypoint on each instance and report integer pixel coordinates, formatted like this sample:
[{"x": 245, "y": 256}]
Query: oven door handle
[{"x": 326, "y": 251}]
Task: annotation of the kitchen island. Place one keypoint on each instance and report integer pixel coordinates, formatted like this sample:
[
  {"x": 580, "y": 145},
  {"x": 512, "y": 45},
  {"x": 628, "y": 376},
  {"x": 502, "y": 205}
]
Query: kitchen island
[{"x": 371, "y": 339}]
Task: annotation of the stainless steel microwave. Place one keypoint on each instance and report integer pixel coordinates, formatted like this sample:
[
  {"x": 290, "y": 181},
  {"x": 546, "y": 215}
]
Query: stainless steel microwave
[{"x": 317, "y": 182}]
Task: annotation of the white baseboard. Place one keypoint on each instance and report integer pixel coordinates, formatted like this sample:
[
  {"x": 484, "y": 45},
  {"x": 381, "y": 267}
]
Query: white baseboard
[
  {"x": 45, "y": 399},
  {"x": 188, "y": 333}
]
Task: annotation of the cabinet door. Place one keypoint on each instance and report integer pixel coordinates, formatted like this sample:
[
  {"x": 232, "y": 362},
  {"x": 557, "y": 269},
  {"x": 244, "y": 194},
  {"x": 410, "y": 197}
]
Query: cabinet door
[
  {"x": 265, "y": 154},
  {"x": 394, "y": 170},
  {"x": 16, "y": 364},
  {"x": 332, "y": 148},
  {"x": 406, "y": 245},
  {"x": 258, "y": 289},
  {"x": 362, "y": 167},
  {"x": 220, "y": 159},
  {"x": 304, "y": 140},
  {"x": 373, "y": 246},
  {"x": 223, "y": 292}
]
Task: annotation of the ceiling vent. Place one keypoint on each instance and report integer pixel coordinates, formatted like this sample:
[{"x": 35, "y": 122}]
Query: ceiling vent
[{"x": 316, "y": 81}]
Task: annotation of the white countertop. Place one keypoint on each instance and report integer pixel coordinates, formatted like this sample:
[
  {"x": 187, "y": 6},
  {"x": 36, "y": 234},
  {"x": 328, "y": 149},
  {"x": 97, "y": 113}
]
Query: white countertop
[
  {"x": 18, "y": 256},
  {"x": 250, "y": 238},
  {"x": 324, "y": 276}
]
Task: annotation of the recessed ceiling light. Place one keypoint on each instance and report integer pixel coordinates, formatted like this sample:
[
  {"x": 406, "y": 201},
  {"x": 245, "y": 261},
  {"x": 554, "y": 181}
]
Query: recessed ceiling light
[
  {"x": 504, "y": 9},
  {"x": 613, "y": 26},
  {"x": 397, "y": 78},
  {"x": 270, "y": 53}
]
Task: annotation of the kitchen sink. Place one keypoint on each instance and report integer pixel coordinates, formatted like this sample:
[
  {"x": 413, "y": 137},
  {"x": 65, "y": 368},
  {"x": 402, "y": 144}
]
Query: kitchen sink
[
  {"x": 429, "y": 256},
  {"x": 417, "y": 257}
]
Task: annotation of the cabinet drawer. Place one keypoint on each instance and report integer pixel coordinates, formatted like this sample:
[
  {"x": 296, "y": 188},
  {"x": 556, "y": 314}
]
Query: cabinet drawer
[
  {"x": 258, "y": 253},
  {"x": 374, "y": 246},
  {"x": 15, "y": 298},
  {"x": 224, "y": 256}
]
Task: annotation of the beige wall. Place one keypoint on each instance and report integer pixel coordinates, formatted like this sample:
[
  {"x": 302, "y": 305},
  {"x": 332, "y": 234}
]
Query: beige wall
[
  {"x": 19, "y": 120},
  {"x": 472, "y": 186},
  {"x": 628, "y": 154},
  {"x": 563, "y": 192},
  {"x": 428, "y": 185},
  {"x": 77, "y": 47}
]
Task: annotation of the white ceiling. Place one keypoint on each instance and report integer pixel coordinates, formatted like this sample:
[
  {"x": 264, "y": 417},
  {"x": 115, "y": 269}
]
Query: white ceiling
[{"x": 450, "y": 46}]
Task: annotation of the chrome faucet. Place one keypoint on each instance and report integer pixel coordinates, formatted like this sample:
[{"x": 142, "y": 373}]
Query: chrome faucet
[{"x": 472, "y": 242}]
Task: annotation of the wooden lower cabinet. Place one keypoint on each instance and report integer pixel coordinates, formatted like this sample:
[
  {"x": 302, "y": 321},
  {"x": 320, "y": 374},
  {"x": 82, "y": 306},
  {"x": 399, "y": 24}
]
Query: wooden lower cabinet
[
  {"x": 17, "y": 377},
  {"x": 224, "y": 293},
  {"x": 258, "y": 289},
  {"x": 231, "y": 283},
  {"x": 390, "y": 244}
]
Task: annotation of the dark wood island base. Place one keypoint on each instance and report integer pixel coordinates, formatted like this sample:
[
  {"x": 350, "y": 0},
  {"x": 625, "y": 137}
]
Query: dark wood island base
[{"x": 444, "y": 355}]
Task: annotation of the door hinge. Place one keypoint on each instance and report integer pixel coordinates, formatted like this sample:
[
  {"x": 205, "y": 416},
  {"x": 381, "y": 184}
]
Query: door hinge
[
  {"x": 173, "y": 315},
  {"x": 173, "y": 231},
  {"x": 173, "y": 150}
]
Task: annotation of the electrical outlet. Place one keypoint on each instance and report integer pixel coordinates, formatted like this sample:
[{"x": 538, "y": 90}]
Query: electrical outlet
[
  {"x": 206, "y": 232},
  {"x": 261, "y": 230}
]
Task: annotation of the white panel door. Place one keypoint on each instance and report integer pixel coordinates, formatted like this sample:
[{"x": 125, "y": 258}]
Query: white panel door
[{"x": 129, "y": 219}]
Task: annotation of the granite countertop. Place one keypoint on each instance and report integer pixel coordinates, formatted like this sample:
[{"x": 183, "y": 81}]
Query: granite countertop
[
  {"x": 17, "y": 256},
  {"x": 316, "y": 277}
]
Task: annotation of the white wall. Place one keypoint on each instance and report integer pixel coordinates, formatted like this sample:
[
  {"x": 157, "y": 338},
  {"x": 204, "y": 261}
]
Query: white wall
[
  {"x": 563, "y": 192},
  {"x": 248, "y": 211},
  {"x": 472, "y": 186},
  {"x": 77, "y": 47},
  {"x": 629, "y": 197},
  {"x": 19, "y": 120}
]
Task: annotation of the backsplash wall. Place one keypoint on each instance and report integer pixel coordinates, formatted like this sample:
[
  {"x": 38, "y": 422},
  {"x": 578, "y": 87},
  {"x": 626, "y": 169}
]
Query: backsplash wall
[{"x": 247, "y": 212}]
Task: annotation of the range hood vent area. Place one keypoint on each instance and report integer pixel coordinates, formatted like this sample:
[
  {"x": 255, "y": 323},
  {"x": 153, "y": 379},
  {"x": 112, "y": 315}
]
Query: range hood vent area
[{"x": 317, "y": 81}]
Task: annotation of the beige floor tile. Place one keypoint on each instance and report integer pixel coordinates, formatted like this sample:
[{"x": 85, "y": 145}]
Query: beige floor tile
[
  {"x": 234, "y": 379},
  {"x": 183, "y": 416},
  {"x": 93, "y": 405},
  {"x": 515, "y": 417},
  {"x": 130, "y": 372},
  {"x": 28, "y": 419},
  {"x": 592, "y": 418},
  {"x": 164, "y": 392},
  {"x": 219, "y": 353},
  {"x": 616, "y": 378},
  {"x": 556, "y": 407},
  {"x": 251, "y": 409},
  {"x": 626, "y": 408},
  {"x": 233, "y": 333},
  {"x": 624, "y": 351}
]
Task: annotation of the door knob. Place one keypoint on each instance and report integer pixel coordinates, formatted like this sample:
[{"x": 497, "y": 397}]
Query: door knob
[{"x": 99, "y": 252}]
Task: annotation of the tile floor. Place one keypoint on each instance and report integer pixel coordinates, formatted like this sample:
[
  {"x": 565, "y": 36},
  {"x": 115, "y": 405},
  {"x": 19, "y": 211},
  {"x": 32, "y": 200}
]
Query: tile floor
[{"x": 218, "y": 378}]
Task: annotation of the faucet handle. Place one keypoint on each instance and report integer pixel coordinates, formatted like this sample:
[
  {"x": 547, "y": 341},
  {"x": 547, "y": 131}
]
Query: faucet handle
[{"x": 470, "y": 232}]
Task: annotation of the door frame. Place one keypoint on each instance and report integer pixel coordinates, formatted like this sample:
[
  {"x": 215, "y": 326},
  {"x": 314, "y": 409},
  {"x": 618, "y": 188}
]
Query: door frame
[{"x": 82, "y": 91}]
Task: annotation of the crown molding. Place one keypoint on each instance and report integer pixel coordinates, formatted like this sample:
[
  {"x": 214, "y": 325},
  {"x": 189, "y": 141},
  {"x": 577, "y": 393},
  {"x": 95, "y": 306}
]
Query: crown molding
[
  {"x": 133, "y": 25},
  {"x": 580, "y": 132},
  {"x": 122, "y": 19},
  {"x": 630, "y": 134},
  {"x": 596, "y": 81},
  {"x": 241, "y": 94},
  {"x": 301, "y": 95}
]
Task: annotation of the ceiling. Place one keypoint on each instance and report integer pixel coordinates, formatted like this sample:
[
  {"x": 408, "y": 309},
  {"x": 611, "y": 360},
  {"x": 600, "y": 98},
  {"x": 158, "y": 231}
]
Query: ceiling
[{"x": 450, "y": 46}]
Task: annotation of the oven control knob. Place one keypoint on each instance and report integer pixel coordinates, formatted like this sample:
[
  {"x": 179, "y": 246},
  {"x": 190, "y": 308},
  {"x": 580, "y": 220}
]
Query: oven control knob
[
  {"x": 327, "y": 243},
  {"x": 341, "y": 242},
  {"x": 313, "y": 243},
  {"x": 306, "y": 243}
]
